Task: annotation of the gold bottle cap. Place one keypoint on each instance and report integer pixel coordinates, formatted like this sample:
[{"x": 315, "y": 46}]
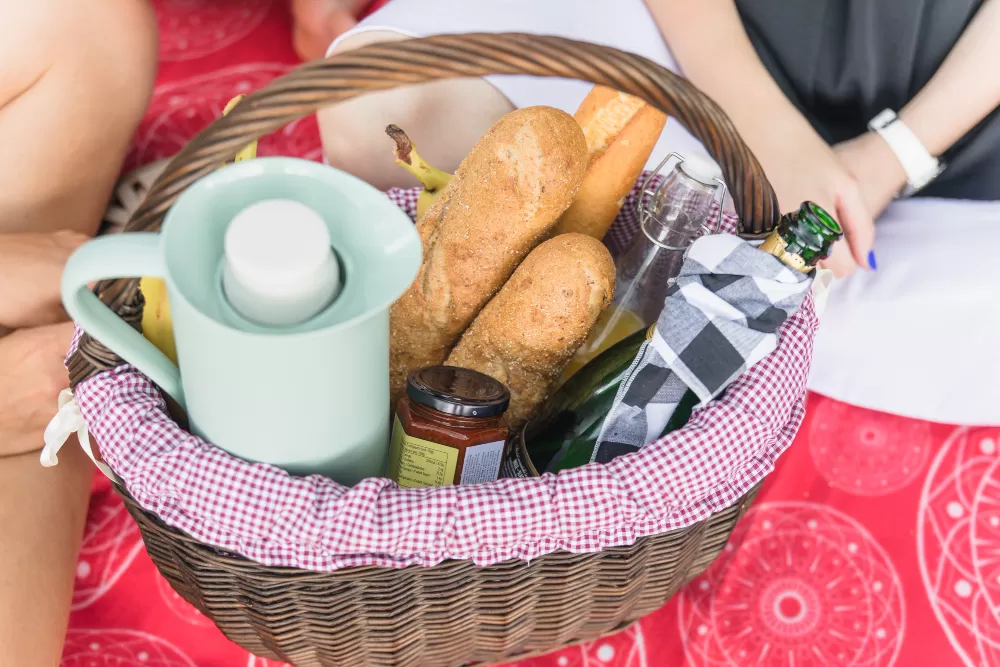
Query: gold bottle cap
[{"x": 775, "y": 245}]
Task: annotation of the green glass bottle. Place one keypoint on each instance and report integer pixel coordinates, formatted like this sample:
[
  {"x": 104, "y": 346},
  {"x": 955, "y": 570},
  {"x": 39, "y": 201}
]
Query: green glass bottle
[
  {"x": 565, "y": 432},
  {"x": 804, "y": 237}
]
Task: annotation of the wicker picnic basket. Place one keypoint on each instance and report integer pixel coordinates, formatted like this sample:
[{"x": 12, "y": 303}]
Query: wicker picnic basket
[{"x": 454, "y": 613}]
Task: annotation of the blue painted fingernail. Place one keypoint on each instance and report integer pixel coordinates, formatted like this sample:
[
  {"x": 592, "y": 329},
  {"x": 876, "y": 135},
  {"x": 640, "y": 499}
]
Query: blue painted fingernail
[{"x": 871, "y": 260}]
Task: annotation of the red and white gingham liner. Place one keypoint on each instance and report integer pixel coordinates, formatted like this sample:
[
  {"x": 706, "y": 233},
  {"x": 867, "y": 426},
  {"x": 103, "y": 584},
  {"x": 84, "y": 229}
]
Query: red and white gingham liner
[{"x": 313, "y": 523}]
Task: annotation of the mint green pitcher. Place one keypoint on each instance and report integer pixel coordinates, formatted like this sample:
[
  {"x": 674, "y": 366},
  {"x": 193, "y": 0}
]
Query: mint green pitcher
[{"x": 312, "y": 398}]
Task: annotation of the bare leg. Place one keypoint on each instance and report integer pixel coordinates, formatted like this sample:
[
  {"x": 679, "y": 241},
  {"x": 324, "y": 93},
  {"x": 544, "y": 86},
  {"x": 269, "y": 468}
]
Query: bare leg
[
  {"x": 42, "y": 512},
  {"x": 75, "y": 81},
  {"x": 444, "y": 119}
]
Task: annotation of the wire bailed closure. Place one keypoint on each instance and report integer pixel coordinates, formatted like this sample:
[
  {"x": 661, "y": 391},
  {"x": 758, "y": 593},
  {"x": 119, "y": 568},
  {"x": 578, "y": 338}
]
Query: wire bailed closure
[
  {"x": 644, "y": 212},
  {"x": 389, "y": 65}
]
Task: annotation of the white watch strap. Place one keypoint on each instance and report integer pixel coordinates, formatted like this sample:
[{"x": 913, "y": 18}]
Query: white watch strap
[{"x": 920, "y": 166}]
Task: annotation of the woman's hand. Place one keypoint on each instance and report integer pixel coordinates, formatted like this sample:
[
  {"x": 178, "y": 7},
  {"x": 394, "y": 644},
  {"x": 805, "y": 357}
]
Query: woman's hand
[
  {"x": 875, "y": 168},
  {"x": 30, "y": 270},
  {"x": 31, "y": 376},
  {"x": 708, "y": 40},
  {"x": 804, "y": 168}
]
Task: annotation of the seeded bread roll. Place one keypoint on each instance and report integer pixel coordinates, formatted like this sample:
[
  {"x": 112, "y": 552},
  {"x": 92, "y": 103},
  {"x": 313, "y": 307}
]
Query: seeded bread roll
[
  {"x": 621, "y": 132},
  {"x": 529, "y": 332},
  {"x": 503, "y": 199}
]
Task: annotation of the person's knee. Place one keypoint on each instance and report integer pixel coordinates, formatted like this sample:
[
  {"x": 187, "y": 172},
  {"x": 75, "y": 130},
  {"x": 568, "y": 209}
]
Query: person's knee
[
  {"x": 352, "y": 131},
  {"x": 119, "y": 49},
  {"x": 444, "y": 119},
  {"x": 103, "y": 51},
  {"x": 77, "y": 79}
]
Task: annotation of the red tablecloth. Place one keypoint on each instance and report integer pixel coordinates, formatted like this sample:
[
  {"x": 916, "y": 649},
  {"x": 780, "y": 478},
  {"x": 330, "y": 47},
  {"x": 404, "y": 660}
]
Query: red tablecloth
[{"x": 875, "y": 543}]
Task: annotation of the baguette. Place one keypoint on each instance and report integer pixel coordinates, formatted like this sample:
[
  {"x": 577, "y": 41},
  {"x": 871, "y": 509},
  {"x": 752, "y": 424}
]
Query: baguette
[
  {"x": 621, "y": 132},
  {"x": 503, "y": 199},
  {"x": 529, "y": 332}
]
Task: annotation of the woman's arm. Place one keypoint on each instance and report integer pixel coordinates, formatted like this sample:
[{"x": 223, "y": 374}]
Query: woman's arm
[
  {"x": 31, "y": 376},
  {"x": 709, "y": 42},
  {"x": 31, "y": 266},
  {"x": 964, "y": 90}
]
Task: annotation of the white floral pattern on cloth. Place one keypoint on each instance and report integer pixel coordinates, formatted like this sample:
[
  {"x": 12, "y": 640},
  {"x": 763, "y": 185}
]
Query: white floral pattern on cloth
[
  {"x": 958, "y": 543},
  {"x": 623, "y": 649},
  {"x": 868, "y": 457},
  {"x": 181, "y": 109},
  {"x": 254, "y": 661},
  {"x": 194, "y": 28},
  {"x": 111, "y": 542},
  {"x": 313, "y": 523},
  {"x": 798, "y": 584},
  {"x": 120, "y": 648}
]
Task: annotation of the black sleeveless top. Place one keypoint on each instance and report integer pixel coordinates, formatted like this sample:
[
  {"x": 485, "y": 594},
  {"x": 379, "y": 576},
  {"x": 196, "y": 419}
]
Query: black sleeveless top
[{"x": 841, "y": 62}]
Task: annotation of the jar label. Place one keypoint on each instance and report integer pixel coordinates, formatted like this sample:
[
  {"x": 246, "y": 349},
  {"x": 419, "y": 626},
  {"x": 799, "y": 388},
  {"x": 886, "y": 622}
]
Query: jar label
[
  {"x": 414, "y": 462},
  {"x": 482, "y": 463}
]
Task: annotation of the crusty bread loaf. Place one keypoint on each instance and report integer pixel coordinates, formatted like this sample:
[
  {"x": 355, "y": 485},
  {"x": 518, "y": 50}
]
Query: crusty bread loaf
[
  {"x": 621, "y": 132},
  {"x": 504, "y": 198},
  {"x": 528, "y": 332}
]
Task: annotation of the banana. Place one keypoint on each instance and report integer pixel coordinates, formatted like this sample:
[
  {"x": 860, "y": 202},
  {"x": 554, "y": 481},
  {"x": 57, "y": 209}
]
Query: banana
[
  {"x": 250, "y": 150},
  {"x": 433, "y": 179},
  {"x": 157, "y": 324}
]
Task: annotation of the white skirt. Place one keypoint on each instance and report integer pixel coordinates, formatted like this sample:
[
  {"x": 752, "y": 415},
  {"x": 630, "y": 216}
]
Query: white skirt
[{"x": 918, "y": 338}]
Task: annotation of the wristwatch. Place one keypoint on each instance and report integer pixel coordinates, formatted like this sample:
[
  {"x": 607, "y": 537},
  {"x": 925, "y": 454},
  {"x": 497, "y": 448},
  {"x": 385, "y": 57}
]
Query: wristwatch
[{"x": 920, "y": 166}]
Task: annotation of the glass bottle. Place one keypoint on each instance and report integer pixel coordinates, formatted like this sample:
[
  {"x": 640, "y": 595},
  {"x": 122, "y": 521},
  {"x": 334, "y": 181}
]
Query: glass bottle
[
  {"x": 804, "y": 237},
  {"x": 679, "y": 214},
  {"x": 568, "y": 425},
  {"x": 565, "y": 432}
]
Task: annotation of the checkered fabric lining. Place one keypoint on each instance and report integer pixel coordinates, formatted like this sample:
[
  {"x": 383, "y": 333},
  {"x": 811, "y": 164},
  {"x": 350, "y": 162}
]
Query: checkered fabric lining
[{"x": 313, "y": 523}]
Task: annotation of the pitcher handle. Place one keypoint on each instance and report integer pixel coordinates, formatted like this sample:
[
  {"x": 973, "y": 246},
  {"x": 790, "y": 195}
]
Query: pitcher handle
[{"x": 118, "y": 256}]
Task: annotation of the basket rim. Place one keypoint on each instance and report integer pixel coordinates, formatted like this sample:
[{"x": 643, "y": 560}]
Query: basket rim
[
  {"x": 212, "y": 494},
  {"x": 251, "y": 566}
]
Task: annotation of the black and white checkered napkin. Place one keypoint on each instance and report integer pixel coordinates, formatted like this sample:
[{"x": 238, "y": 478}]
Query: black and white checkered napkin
[{"x": 719, "y": 319}]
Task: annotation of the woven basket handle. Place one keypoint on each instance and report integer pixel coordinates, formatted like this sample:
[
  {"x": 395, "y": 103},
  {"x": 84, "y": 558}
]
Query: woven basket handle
[{"x": 389, "y": 65}]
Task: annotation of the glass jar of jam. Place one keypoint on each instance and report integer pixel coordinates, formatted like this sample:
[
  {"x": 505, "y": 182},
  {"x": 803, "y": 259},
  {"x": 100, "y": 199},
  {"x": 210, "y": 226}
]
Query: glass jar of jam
[{"x": 448, "y": 429}]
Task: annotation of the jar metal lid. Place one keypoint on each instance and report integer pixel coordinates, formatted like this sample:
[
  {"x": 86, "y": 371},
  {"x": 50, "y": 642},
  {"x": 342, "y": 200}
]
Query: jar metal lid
[{"x": 458, "y": 391}]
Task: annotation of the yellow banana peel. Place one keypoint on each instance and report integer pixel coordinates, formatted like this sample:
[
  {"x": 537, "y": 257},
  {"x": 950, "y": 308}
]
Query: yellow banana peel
[
  {"x": 157, "y": 324},
  {"x": 250, "y": 150},
  {"x": 433, "y": 179}
]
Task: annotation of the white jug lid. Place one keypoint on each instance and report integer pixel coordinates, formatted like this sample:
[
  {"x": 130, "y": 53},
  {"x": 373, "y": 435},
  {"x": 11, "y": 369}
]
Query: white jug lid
[{"x": 280, "y": 268}]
